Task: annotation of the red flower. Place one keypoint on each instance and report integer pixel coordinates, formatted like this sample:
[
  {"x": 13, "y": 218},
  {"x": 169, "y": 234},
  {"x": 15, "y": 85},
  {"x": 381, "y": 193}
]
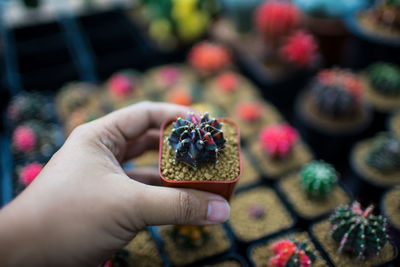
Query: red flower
[
  {"x": 277, "y": 18},
  {"x": 120, "y": 85},
  {"x": 209, "y": 57},
  {"x": 24, "y": 139},
  {"x": 278, "y": 140},
  {"x": 29, "y": 173},
  {"x": 300, "y": 49}
]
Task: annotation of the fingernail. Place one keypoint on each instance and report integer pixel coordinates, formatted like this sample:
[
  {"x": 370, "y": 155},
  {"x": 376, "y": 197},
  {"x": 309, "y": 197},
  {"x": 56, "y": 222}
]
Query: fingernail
[{"x": 218, "y": 211}]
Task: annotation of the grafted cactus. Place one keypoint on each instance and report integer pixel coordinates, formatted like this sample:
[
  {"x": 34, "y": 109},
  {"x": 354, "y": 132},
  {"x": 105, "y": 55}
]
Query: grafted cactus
[
  {"x": 196, "y": 140},
  {"x": 384, "y": 154},
  {"x": 278, "y": 140},
  {"x": 384, "y": 78},
  {"x": 190, "y": 236},
  {"x": 29, "y": 106},
  {"x": 275, "y": 19},
  {"x": 300, "y": 49},
  {"x": 358, "y": 231},
  {"x": 290, "y": 253},
  {"x": 337, "y": 93},
  {"x": 318, "y": 178},
  {"x": 29, "y": 172},
  {"x": 209, "y": 58}
]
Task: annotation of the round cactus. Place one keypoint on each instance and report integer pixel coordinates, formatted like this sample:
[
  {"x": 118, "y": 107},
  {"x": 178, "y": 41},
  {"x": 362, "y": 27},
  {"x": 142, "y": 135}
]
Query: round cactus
[
  {"x": 196, "y": 140},
  {"x": 209, "y": 58},
  {"x": 28, "y": 106},
  {"x": 318, "y": 178},
  {"x": 274, "y": 19},
  {"x": 168, "y": 76},
  {"x": 29, "y": 172},
  {"x": 190, "y": 236},
  {"x": 73, "y": 96},
  {"x": 249, "y": 111},
  {"x": 290, "y": 253},
  {"x": 278, "y": 140},
  {"x": 384, "y": 154},
  {"x": 228, "y": 82},
  {"x": 300, "y": 49},
  {"x": 358, "y": 231},
  {"x": 122, "y": 84},
  {"x": 180, "y": 96},
  {"x": 337, "y": 93},
  {"x": 24, "y": 139},
  {"x": 384, "y": 78}
]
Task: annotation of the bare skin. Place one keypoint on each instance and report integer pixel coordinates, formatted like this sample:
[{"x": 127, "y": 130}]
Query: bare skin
[{"x": 83, "y": 206}]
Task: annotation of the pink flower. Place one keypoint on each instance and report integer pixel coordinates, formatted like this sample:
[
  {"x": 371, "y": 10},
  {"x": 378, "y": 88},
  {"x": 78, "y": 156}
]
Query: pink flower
[
  {"x": 227, "y": 82},
  {"x": 300, "y": 49},
  {"x": 278, "y": 140},
  {"x": 24, "y": 139},
  {"x": 120, "y": 85},
  {"x": 29, "y": 173}
]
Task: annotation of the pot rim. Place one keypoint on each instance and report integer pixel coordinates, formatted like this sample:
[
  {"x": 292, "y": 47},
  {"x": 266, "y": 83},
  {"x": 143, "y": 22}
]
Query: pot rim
[{"x": 205, "y": 181}]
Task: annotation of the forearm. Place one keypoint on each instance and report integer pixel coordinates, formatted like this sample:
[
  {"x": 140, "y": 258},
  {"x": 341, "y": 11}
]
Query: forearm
[{"x": 19, "y": 240}]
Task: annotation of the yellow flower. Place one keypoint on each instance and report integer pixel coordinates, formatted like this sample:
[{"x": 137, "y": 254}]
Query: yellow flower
[
  {"x": 193, "y": 26},
  {"x": 160, "y": 29}
]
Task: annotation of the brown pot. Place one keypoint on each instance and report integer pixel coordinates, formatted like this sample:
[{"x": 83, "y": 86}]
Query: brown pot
[{"x": 222, "y": 188}]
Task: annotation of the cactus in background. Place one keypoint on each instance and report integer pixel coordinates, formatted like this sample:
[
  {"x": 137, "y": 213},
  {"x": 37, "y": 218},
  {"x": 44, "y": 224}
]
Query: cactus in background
[
  {"x": 275, "y": 19},
  {"x": 180, "y": 95},
  {"x": 384, "y": 154},
  {"x": 209, "y": 57},
  {"x": 190, "y": 236},
  {"x": 337, "y": 93},
  {"x": 122, "y": 84},
  {"x": 24, "y": 139},
  {"x": 168, "y": 76},
  {"x": 121, "y": 258},
  {"x": 278, "y": 140},
  {"x": 290, "y": 253},
  {"x": 228, "y": 82},
  {"x": 29, "y": 172},
  {"x": 358, "y": 231},
  {"x": 387, "y": 13},
  {"x": 384, "y": 78},
  {"x": 241, "y": 12},
  {"x": 28, "y": 106},
  {"x": 300, "y": 49},
  {"x": 73, "y": 96},
  {"x": 249, "y": 111},
  {"x": 196, "y": 140},
  {"x": 318, "y": 178}
]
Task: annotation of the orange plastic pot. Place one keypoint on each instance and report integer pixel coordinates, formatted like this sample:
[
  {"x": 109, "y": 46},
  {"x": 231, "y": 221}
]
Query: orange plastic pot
[{"x": 222, "y": 188}]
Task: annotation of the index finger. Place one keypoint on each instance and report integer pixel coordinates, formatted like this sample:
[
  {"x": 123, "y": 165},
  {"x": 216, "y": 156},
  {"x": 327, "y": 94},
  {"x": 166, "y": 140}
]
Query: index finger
[{"x": 121, "y": 126}]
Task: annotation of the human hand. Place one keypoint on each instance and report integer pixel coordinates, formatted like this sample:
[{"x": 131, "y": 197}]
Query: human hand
[{"x": 83, "y": 206}]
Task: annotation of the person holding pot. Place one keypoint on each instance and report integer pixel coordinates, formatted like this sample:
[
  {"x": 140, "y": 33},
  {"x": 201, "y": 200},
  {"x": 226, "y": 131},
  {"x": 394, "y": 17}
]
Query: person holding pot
[{"x": 83, "y": 206}]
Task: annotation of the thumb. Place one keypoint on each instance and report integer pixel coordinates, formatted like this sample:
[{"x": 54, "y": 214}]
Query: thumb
[{"x": 164, "y": 205}]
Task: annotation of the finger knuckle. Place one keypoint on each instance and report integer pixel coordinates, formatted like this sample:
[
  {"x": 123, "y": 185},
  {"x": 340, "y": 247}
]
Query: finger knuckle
[{"x": 186, "y": 207}]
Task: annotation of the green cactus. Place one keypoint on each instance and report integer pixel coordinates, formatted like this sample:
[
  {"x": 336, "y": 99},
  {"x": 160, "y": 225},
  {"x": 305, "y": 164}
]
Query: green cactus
[
  {"x": 318, "y": 178},
  {"x": 358, "y": 231},
  {"x": 384, "y": 154},
  {"x": 384, "y": 78}
]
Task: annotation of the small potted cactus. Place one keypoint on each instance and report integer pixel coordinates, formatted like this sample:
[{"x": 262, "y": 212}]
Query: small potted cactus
[
  {"x": 353, "y": 236},
  {"x": 331, "y": 111},
  {"x": 29, "y": 106},
  {"x": 279, "y": 150},
  {"x": 257, "y": 213},
  {"x": 200, "y": 153},
  {"x": 208, "y": 58},
  {"x": 253, "y": 115},
  {"x": 376, "y": 163},
  {"x": 34, "y": 138},
  {"x": 228, "y": 88},
  {"x": 187, "y": 245},
  {"x": 394, "y": 123},
  {"x": 157, "y": 81},
  {"x": 124, "y": 88},
  {"x": 390, "y": 207},
  {"x": 289, "y": 249},
  {"x": 313, "y": 191},
  {"x": 383, "y": 86}
]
